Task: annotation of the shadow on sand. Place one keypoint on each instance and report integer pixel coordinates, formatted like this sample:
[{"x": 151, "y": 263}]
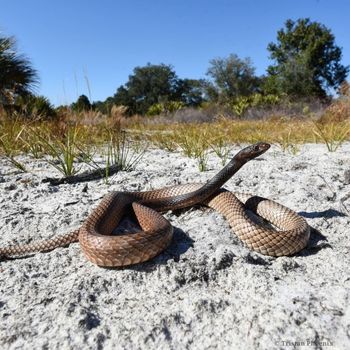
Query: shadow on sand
[
  {"x": 317, "y": 242},
  {"x": 316, "y": 236},
  {"x": 327, "y": 214}
]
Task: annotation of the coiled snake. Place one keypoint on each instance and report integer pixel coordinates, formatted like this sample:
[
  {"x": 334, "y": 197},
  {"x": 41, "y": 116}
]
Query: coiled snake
[{"x": 104, "y": 249}]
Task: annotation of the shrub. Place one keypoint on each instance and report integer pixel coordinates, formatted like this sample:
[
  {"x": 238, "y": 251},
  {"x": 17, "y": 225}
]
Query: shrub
[
  {"x": 156, "y": 109},
  {"x": 165, "y": 108},
  {"x": 35, "y": 106},
  {"x": 242, "y": 103}
]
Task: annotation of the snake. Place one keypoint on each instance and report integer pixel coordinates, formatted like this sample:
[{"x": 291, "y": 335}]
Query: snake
[{"x": 263, "y": 225}]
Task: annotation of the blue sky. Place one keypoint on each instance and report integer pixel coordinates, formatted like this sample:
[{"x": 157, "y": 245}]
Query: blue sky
[{"x": 70, "y": 42}]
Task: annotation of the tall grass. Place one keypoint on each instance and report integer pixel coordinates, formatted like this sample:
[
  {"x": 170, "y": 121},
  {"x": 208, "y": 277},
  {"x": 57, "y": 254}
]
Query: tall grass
[
  {"x": 73, "y": 138},
  {"x": 70, "y": 140}
]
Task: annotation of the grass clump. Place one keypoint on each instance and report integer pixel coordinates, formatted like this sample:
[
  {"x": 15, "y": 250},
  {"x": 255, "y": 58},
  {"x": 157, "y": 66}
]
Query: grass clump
[
  {"x": 332, "y": 134},
  {"x": 63, "y": 152},
  {"x": 122, "y": 151},
  {"x": 287, "y": 143},
  {"x": 194, "y": 143},
  {"x": 221, "y": 148}
]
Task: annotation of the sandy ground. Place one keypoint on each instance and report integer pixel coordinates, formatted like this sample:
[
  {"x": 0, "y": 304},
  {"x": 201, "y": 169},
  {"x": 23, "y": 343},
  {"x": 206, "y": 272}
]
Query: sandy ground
[{"x": 206, "y": 290}]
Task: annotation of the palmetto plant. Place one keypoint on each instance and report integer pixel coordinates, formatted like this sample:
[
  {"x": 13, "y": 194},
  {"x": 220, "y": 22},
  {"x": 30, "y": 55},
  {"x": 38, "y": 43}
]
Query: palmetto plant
[{"x": 17, "y": 77}]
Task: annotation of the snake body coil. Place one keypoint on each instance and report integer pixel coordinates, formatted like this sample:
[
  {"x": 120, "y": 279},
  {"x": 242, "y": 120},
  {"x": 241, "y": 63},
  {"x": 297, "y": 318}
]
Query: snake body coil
[{"x": 103, "y": 248}]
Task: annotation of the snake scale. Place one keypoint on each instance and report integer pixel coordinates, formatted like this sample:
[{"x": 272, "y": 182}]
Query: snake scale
[{"x": 103, "y": 248}]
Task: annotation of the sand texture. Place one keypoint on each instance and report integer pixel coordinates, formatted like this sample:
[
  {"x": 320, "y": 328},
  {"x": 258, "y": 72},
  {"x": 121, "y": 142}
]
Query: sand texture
[{"x": 207, "y": 290}]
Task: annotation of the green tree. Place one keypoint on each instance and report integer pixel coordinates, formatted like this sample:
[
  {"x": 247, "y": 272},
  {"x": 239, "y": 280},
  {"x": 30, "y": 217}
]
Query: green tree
[
  {"x": 191, "y": 91},
  {"x": 17, "y": 76},
  {"x": 231, "y": 77},
  {"x": 82, "y": 104},
  {"x": 307, "y": 61},
  {"x": 124, "y": 97},
  {"x": 146, "y": 86},
  {"x": 104, "y": 106}
]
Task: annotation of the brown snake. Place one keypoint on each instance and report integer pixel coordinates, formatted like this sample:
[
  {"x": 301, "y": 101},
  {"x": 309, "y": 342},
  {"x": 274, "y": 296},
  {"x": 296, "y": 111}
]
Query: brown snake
[{"x": 103, "y": 248}]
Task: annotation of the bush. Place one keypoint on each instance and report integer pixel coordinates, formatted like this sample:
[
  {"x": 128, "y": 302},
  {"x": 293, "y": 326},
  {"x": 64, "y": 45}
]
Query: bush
[
  {"x": 35, "y": 106},
  {"x": 165, "y": 108},
  {"x": 242, "y": 103},
  {"x": 156, "y": 109}
]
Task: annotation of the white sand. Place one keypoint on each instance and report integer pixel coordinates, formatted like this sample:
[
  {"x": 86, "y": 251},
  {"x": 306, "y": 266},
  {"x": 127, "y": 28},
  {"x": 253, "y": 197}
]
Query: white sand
[{"x": 206, "y": 290}]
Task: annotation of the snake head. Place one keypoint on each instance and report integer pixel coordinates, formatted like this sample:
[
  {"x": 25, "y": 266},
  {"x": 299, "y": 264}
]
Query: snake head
[{"x": 252, "y": 151}]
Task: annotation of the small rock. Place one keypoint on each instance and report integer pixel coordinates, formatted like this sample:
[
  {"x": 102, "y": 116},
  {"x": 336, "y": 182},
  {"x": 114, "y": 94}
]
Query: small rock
[
  {"x": 347, "y": 177},
  {"x": 299, "y": 166},
  {"x": 11, "y": 187}
]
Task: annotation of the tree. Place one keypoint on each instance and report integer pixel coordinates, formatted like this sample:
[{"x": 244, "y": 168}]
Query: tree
[
  {"x": 157, "y": 84},
  {"x": 191, "y": 91},
  {"x": 17, "y": 76},
  {"x": 146, "y": 86},
  {"x": 123, "y": 97},
  {"x": 104, "y": 106},
  {"x": 232, "y": 77},
  {"x": 82, "y": 104},
  {"x": 307, "y": 61}
]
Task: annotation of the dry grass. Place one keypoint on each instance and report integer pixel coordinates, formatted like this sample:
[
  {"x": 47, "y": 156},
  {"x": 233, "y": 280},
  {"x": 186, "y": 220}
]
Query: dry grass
[
  {"x": 69, "y": 140},
  {"x": 231, "y": 131},
  {"x": 71, "y": 136}
]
